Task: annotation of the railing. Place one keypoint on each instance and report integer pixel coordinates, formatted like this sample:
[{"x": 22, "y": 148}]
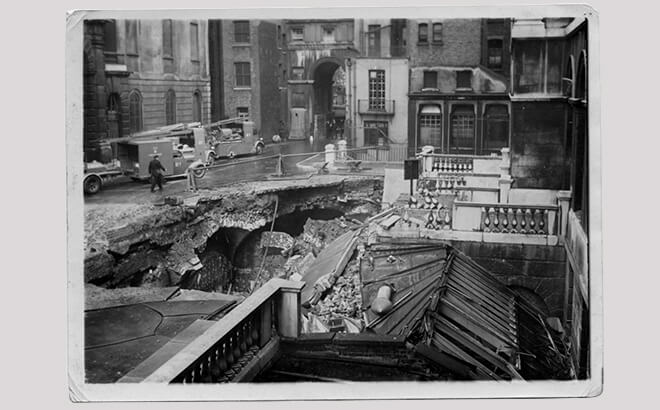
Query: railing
[
  {"x": 230, "y": 349},
  {"x": 506, "y": 218},
  {"x": 437, "y": 164},
  {"x": 516, "y": 219},
  {"x": 385, "y": 107},
  {"x": 383, "y": 153}
]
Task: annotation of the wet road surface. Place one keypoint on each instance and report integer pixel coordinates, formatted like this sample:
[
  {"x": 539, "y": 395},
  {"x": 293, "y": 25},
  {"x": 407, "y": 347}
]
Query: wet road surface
[{"x": 255, "y": 167}]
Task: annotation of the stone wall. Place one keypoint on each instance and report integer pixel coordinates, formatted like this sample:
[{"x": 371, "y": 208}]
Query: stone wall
[
  {"x": 538, "y": 134},
  {"x": 539, "y": 269}
]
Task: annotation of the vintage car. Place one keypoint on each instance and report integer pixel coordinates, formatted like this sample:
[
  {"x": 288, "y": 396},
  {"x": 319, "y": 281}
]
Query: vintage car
[{"x": 231, "y": 138}]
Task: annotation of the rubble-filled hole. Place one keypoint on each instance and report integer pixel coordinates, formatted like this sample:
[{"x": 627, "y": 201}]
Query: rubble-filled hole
[
  {"x": 249, "y": 255},
  {"x": 217, "y": 272}
]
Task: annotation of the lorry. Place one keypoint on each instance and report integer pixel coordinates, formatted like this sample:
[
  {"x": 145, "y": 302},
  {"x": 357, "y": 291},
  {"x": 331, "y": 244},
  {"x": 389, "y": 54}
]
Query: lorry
[
  {"x": 177, "y": 151},
  {"x": 179, "y": 146}
]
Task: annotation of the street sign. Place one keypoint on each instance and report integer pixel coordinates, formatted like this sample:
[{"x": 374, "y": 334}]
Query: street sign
[{"x": 410, "y": 169}]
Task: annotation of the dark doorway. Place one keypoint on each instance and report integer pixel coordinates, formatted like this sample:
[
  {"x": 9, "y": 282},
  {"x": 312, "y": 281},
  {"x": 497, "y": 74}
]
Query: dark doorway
[{"x": 324, "y": 96}]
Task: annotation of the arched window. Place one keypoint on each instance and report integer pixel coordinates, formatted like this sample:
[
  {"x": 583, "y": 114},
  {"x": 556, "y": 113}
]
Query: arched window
[
  {"x": 135, "y": 111},
  {"x": 197, "y": 106},
  {"x": 430, "y": 126},
  {"x": 581, "y": 79},
  {"x": 496, "y": 133},
  {"x": 462, "y": 130},
  {"x": 568, "y": 78},
  {"x": 113, "y": 115},
  {"x": 170, "y": 107}
]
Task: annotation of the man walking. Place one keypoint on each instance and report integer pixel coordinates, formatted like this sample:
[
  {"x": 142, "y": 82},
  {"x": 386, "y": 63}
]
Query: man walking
[{"x": 156, "y": 170}]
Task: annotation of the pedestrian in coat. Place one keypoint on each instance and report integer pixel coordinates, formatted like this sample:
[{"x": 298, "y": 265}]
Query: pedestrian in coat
[{"x": 156, "y": 170}]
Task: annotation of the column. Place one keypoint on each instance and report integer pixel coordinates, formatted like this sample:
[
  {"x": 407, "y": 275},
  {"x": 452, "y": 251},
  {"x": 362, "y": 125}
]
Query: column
[
  {"x": 564, "y": 199},
  {"x": 288, "y": 312}
]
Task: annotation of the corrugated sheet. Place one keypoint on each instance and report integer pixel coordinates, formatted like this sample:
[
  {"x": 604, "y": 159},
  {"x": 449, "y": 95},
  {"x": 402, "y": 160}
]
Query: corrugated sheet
[{"x": 457, "y": 313}]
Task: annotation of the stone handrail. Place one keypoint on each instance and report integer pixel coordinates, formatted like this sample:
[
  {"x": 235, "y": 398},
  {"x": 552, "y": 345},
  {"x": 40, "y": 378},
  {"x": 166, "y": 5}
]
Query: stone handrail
[
  {"x": 506, "y": 218},
  {"x": 223, "y": 350},
  {"x": 433, "y": 165}
]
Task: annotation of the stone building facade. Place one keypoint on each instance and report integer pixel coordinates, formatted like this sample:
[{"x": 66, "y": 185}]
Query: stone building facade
[
  {"x": 148, "y": 73},
  {"x": 314, "y": 50}
]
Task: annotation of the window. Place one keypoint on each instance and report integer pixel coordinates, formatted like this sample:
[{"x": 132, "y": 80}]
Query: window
[
  {"x": 297, "y": 34},
  {"x": 298, "y": 99},
  {"x": 496, "y": 134},
  {"x": 375, "y": 133},
  {"x": 197, "y": 106},
  {"x": 464, "y": 80},
  {"x": 110, "y": 36},
  {"x": 328, "y": 34},
  {"x": 113, "y": 115},
  {"x": 437, "y": 32},
  {"x": 495, "y": 53},
  {"x": 423, "y": 34},
  {"x": 194, "y": 42},
  {"x": 242, "y": 73},
  {"x": 241, "y": 31},
  {"x": 430, "y": 126},
  {"x": 131, "y": 37},
  {"x": 170, "y": 107},
  {"x": 167, "y": 39},
  {"x": 537, "y": 67},
  {"x": 134, "y": 112},
  {"x": 297, "y": 73},
  {"x": 462, "y": 129},
  {"x": 377, "y": 90},
  {"x": 528, "y": 66},
  {"x": 373, "y": 41},
  {"x": 242, "y": 112},
  {"x": 430, "y": 79}
]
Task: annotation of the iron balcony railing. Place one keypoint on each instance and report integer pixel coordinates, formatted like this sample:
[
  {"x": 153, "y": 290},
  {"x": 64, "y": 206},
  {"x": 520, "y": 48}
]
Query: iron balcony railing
[{"x": 376, "y": 106}]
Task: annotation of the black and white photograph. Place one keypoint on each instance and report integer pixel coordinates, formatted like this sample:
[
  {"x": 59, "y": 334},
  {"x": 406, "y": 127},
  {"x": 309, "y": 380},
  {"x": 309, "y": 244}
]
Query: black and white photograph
[{"x": 333, "y": 204}]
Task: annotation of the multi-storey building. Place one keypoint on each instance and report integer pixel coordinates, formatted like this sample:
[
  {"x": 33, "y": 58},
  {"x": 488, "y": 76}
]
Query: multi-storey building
[
  {"x": 458, "y": 85},
  {"x": 315, "y": 53},
  {"x": 377, "y": 88},
  {"x": 245, "y": 72},
  {"x": 142, "y": 74}
]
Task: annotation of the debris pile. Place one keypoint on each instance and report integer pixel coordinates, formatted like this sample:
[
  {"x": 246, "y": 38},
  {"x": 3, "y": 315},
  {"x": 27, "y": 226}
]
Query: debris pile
[{"x": 344, "y": 299}]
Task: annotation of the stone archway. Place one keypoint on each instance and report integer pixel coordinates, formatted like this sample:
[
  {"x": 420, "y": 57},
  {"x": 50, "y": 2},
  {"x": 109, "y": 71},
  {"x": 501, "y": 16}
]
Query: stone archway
[{"x": 323, "y": 75}]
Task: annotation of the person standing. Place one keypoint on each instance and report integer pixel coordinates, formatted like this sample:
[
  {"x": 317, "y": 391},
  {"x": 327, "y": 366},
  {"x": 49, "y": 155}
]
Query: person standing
[{"x": 156, "y": 170}]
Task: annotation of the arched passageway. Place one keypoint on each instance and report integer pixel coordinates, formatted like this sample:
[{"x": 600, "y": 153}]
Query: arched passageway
[{"x": 329, "y": 99}]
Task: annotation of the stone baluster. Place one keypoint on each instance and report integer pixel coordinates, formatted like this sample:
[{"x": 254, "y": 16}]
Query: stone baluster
[
  {"x": 513, "y": 223},
  {"x": 520, "y": 217},
  {"x": 529, "y": 219},
  {"x": 265, "y": 323},
  {"x": 504, "y": 220}
]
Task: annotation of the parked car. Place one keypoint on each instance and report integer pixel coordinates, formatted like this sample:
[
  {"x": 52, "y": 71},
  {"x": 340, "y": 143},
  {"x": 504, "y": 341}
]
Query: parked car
[{"x": 231, "y": 138}]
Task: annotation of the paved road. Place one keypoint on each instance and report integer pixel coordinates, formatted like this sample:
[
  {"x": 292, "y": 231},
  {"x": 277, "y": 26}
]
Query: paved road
[{"x": 124, "y": 190}]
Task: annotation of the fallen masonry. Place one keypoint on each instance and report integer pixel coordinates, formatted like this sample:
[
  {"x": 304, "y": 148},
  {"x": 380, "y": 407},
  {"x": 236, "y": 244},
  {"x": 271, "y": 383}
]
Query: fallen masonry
[{"x": 151, "y": 245}]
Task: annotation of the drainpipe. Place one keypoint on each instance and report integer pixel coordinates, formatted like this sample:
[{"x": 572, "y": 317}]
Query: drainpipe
[{"x": 355, "y": 107}]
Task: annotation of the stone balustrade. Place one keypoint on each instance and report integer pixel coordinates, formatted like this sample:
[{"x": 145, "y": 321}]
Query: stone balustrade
[
  {"x": 521, "y": 219},
  {"x": 231, "y": 349}
]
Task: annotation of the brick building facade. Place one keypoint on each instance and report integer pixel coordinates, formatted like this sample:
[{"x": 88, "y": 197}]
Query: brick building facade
[{"x": 246, "y": 76}]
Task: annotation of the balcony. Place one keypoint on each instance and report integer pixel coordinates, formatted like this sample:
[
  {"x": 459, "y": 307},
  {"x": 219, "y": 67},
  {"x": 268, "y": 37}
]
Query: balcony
[{"x": 376, "y": 107}]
